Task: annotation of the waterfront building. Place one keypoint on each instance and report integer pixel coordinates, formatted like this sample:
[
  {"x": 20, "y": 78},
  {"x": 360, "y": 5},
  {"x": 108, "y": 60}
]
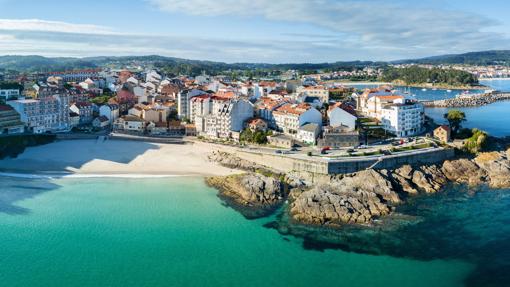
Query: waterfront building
[
  {"x": 339, "y": 117},
  {"x": 281, "y": 140},
  {"x": 10, "y": 121},
  {"x": 129, "y": 123},
  {"x": 101, "y": 122},
  {"x": 183, "y": 102},
  {"x": 74, "y": 119},
  {"x": 9, "y": 94},
  {"x": 308, "y": 133},
  {"x": 403, "y": 117},
  {"x": 110, "y": 111},
  {"x": 156, "y": 115},
  {"x": 256, "y": 124},
  {"x": 84, "y": 110},
  {"x": 227, "y": 117},
  {"x": 48, "y": 113},
  {"x": 443, "y": 133},
  {"x": 338, "y": 137},
  {"x": 290, "y": 117}
]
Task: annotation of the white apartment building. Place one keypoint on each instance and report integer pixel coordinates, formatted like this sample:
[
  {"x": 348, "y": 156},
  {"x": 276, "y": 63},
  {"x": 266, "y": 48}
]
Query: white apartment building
[
  {"x": 218, "y": 117},
  {"x": 229, "y": 117},
  {"x": 403, "y": 118},
  {"x": 7, "y": 94},
  {"x": 183, "y": 102},
  {"x": 46, "y": 114}
]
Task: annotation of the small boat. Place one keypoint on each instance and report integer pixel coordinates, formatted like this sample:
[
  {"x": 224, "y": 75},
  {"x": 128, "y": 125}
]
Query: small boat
[
  {"x": 424, "y": 90},
  {"x": 448, "y": 91},
  {"x": 434, "y": 89}
]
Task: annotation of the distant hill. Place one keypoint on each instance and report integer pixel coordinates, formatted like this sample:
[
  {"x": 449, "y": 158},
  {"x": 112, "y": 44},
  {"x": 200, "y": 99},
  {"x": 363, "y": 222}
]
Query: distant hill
[
  {"x": 496, "y": 57},
  {"x": 171, "y": 64},
  {"x": 193, "y": 67}
]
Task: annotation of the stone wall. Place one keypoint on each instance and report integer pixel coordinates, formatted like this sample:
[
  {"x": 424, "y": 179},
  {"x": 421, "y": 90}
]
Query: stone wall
[{"x": 283, "y": 163}]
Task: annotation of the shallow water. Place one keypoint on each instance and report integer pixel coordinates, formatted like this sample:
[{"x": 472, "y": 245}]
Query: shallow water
[{"x": 172, "y": 232}]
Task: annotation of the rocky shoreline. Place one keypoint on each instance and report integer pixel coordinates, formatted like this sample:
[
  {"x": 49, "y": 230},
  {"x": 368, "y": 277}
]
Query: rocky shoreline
[{"x": 357, "y": 198}]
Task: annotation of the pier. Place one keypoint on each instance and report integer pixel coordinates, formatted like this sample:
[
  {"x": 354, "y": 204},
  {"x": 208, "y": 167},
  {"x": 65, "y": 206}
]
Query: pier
[{"x": 468, "y": 101}]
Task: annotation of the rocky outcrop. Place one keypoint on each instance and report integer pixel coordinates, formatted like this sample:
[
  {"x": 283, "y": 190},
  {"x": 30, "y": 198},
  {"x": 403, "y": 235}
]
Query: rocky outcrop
[
  {"x": 361, "y": 197},
  {"x": 497, "y": 168},
  {"x": 464, "y": 171},
  {"x": 230, "y": 160},
  {"x": 356, "y": 198},
  {"x": 353, "y": 198},
  {"x": 335, "y": 204},
  {"x": 254, "y": 195}
]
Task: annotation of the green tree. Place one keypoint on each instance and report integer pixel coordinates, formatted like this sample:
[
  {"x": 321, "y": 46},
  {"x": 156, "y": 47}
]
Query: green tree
[
  {"x": 455, "y": 119},
  {"x": 477, "y": 142}
]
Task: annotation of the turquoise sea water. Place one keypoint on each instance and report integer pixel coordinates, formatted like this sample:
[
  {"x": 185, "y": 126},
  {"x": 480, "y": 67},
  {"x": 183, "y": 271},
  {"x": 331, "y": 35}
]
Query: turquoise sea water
[{"x": 173, "y": 232}]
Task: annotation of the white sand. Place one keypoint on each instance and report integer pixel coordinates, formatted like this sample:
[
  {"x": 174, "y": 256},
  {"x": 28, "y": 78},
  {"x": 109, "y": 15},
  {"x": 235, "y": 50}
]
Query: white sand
[{"x": 116, "y": 158}]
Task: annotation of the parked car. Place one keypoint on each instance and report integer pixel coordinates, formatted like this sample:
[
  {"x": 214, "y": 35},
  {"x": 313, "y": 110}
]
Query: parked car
[{"x": 278, "y": 151}]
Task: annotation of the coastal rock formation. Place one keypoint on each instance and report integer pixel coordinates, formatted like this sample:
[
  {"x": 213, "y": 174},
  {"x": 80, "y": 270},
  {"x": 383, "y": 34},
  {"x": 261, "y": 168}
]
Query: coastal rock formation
[
  {"x": 254, "y": 195},
  {"x": 335, "y": 204},
  {"x": 464, "y": 171},
  {"x": 354, "y": 198},
  {"x": 497, "y": 167},
  {"x": 230, "y": 160},
  {"x": 360, "y": 197}
]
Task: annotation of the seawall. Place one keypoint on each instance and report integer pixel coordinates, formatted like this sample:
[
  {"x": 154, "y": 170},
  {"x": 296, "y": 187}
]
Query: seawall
[{"x": 325, "y": 166}]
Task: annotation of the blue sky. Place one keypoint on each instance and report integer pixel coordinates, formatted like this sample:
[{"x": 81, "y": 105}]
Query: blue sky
[{"x": 273, "y": 31}]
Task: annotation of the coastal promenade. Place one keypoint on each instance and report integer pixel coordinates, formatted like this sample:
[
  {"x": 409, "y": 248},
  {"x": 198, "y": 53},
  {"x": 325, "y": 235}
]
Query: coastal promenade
[
  {"x": 468, "y": 101},
  {"x": 327, "y": 166}
]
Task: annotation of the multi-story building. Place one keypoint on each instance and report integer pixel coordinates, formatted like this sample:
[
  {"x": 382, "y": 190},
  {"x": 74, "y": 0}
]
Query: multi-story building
[
  {"x": 10, "y": 121},
  {"x": 403, "y": 118},
  {"x": 219, "y": 117},
  {"x": 290, "y": 117},
  {"x": 183, "y": 102},
  {"x": 264, "y": 109},
  {"x": 49, "y": 113},
  {"x": 229, "y": 116},
  {"x": 8, "y": 94},
  {"x": 85, "y": 111}
]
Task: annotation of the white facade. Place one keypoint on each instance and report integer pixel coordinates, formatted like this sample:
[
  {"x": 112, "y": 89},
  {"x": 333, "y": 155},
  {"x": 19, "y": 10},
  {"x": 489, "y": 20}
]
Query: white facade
[
  {"x": 227, "y": 117},
  {"x": 289, "y": 118},
  {"x": 183, "y": 102},
  {"x": 403, "y": 119},
  {"x": 47, "y": 114},
  {"x": 109, "y": 111},
  {"x": 339, "y": 117},
  {"x": 7, "y": 94},
  {"x": 308, "y": 133}
]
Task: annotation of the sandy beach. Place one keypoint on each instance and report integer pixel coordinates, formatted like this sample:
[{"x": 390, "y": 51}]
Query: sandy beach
[{"x": 116, "y": 158}]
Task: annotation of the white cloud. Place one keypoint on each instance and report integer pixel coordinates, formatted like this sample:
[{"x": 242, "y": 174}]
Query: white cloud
[
  {"x": 370, "y": 23},
  {"x": 51, "y": 26}
]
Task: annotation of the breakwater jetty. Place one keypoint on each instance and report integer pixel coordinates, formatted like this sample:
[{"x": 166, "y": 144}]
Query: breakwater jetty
[{"x": 468, "y": 100}]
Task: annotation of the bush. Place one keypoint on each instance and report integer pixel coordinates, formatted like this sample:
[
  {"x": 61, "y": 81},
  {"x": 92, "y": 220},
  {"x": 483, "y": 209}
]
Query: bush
[{"x": 477, "y": 142}]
